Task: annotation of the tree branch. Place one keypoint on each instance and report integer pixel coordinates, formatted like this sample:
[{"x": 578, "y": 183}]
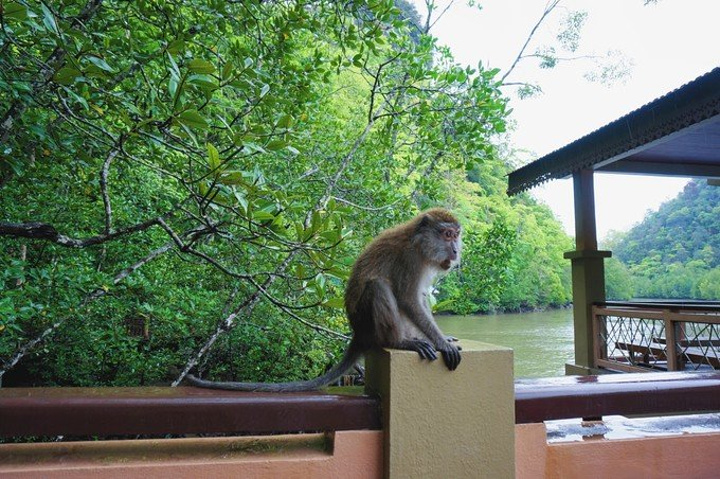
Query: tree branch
[
  {"x": 47, "y": 232},
  {"x": 428, "y": 23},
  {"x": 104, "y": 187},
  {"x": 549, "y": 7}
]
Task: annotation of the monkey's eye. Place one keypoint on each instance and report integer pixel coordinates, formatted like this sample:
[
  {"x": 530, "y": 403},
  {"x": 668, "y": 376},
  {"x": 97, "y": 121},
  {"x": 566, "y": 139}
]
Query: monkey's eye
[{"x": 448, "y": 234}]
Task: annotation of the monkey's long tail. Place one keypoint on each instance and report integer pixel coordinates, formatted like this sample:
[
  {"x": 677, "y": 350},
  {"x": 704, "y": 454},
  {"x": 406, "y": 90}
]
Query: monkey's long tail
[{"x": 352, "y": 354}]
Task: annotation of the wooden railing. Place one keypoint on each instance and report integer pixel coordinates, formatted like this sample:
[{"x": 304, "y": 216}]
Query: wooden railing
[
  {"x": 656, "y": 336},
  {"x": 187, "y": 410},
  {"x": 538, "y": 400},
  {"x": 150, "y": 411}
]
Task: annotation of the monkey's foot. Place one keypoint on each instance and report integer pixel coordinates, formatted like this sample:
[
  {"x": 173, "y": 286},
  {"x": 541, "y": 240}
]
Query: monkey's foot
[
  {"x": 451, "y": 356},
  {"x": 423, "y": 348}
]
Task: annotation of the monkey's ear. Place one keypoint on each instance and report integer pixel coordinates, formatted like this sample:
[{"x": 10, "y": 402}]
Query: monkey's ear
[{"x": 424, "y": 221}]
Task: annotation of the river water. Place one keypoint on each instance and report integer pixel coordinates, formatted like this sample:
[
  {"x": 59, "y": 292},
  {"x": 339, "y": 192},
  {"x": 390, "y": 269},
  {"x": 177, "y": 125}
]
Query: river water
[{"x": 542, "y": 342}]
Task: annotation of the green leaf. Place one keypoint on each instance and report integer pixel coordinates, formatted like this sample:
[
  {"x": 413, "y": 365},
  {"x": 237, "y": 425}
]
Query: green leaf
[
  {"x": 49, "y": 19},
  {"x": 174, "y": 70},
  {"x": 193, "y": 119},
  {"x": 15, "y": 11},
  {"x": 274, "y": 145},
  {"x": 232, "y": 178},
  {"x": 260, "y": 215},
  {"x": 339, "y": 273},
  {"x": 173, "y": 84},
  {"x": 77, "y": 98},
  {"x": 201, "y": 66},
  {"x": 66, "y": 75},
  {"x": 203, "y": 188},
  {"x": 100, "y": 63},
  {"x": 336, "y": 302},
  {"x": 320, "y": 281},
  {"x": 333, "y": 236},
  {"x": 285, "y": 121},
  {"x": 253, "y": 147},
  {"x": 242, "y": 200},
  {"x": 205, "y": 82},
  {"x": 227, "y": 70},
  {"x": 176, "y": 46},
  {"x": 213, "y": 156}
]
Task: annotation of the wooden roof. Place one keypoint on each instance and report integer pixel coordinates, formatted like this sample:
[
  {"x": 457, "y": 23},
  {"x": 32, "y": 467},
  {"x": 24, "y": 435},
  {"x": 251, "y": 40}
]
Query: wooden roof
[{"x": 677, "y": 134}]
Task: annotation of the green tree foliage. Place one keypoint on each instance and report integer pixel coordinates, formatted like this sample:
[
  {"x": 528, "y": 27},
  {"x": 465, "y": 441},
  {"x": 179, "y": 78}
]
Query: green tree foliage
[
  {"x": 619, "y": 284},
  {"x": 186, "y": 184},
  {"x": 513, "y": 250},
  {"x": 675, "y": 251}
]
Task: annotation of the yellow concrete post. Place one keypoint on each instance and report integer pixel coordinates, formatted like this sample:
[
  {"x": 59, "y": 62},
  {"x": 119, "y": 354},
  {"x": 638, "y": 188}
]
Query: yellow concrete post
[{"x": 439, "y": 423}]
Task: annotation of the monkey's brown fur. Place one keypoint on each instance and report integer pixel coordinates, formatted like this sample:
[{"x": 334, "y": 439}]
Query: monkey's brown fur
[{"x": 385, "y": 299}]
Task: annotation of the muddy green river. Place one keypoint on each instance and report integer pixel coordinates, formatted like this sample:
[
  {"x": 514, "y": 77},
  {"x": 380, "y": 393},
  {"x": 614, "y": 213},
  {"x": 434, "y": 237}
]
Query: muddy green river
[{"x": 543, "y": 342}]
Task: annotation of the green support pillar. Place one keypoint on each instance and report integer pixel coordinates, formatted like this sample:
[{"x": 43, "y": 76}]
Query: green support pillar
[{"x": 588, "y": 271}]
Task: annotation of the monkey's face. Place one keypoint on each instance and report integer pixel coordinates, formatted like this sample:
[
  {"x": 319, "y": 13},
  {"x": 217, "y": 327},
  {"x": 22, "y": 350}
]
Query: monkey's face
[
  {"x": 452, "y": 245},
  {"x": 437, "y": 238}
]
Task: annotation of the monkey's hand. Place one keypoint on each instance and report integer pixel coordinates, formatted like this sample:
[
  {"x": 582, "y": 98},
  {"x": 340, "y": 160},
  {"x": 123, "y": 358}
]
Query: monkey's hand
[
  {"x": 422, "y": 347},
  {"x": 451, "y": 355},
  {"x": 453, "y": 339}
]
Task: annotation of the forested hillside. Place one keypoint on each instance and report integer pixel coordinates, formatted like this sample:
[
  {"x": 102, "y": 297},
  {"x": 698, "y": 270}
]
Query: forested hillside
[
  {"x": 675, "y": 251},
  {"x": 185, "y": 185}
]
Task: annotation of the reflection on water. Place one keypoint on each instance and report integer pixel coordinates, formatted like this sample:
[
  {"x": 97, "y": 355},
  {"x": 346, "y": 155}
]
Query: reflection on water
[
  {"x": 543, "y": 342},
  {"x": 620, "y": 427}
]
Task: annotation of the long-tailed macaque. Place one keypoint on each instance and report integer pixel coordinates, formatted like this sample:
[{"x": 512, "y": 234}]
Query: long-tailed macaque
[{"x": 386, "y": 298}]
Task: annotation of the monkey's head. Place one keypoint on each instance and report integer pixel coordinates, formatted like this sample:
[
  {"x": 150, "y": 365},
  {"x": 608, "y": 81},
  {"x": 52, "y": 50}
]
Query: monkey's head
[{"x": 438, "y": 238}]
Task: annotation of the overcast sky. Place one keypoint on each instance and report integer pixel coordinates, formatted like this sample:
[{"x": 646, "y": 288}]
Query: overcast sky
[{"x": 670, "y": 43}]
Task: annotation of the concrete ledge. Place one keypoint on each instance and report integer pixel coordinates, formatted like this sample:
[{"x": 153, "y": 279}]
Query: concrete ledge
[
  {"x": 688, "y": 456},
  {"x": 439, "y": 423}
]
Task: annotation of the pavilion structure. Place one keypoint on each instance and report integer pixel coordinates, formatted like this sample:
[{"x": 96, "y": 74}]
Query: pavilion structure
[{"x": 677, "y": 134}]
